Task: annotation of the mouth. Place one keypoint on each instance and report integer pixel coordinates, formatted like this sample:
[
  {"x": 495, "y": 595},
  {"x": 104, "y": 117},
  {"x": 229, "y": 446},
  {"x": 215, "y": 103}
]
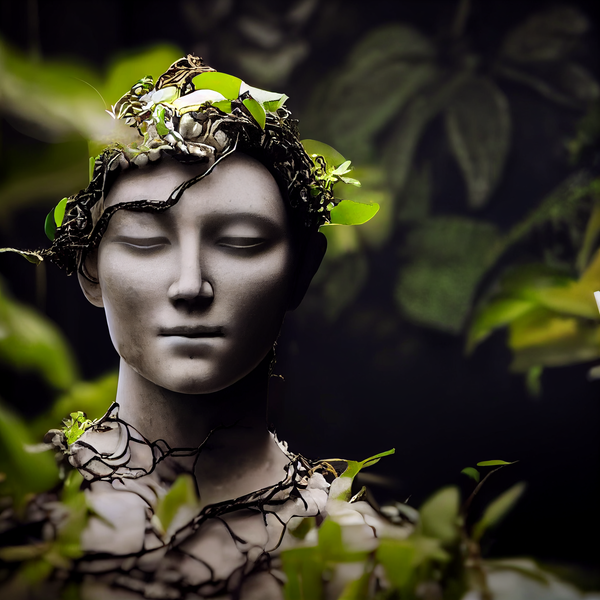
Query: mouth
[{"x": 193, "y": 331}]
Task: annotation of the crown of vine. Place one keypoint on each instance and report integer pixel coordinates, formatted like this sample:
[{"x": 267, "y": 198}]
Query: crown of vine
[{"x": 196, "y": 114}]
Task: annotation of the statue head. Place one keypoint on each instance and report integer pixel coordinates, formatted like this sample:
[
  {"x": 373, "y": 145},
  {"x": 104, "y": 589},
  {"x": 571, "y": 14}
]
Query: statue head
[{"x": 197, "y": 238}]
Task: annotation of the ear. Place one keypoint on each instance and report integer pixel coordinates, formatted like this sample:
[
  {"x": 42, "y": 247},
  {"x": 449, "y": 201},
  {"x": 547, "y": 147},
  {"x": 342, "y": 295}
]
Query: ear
[
  {"x": 310, "y": 260},
  {"x": 90, "y": 284}
]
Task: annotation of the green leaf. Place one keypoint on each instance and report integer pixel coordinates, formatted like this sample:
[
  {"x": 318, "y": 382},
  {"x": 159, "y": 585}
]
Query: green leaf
[
  {"x": 59, "y": 211},
  {"x": 25, "y": 472},
  {"x": 497, "y": 509},
  {"x": 161, "y": 128},
  {"x": 274, "y": 105},
  {"x": 223, "y": 105},
  {"x": 348, "y": 212},
  {"x": 397, "y": 558},
  {"x": 478, "y": 126},
  {"x": 343, "y": 168},
  {"x": 228, "y": 85},
  {"x": 341, "y": 487},
  {"x": 50, "y": 226},
  {"x": 315, "y": 148},
  {"x": 533, "y": 380},
  {"x": 92, "y": 164},
  {"x": 33, "y": 257},
  {"x": 472, "y": 473},
  {"x": 494, "y": 463},
  {"x": 439, "y": 515},
  {"x": 256, "y": 110},
  {"x": 182, "y": 494},
  {"x": 497, "y": 313},
  {"x": 31, "y": 342},
  {"x": 75, "y": 426},
  {"x": 303, "y": 568}
]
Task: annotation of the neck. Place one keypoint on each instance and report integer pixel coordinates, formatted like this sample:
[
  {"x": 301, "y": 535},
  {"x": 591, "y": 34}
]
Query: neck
[{"x": 239, "y": 456}]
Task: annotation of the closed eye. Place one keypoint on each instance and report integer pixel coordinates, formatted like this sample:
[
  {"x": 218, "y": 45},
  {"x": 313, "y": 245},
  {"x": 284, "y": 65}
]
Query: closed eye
[
  {"x": 241, "y": 243},
  {"x": 142, "y": 243}
]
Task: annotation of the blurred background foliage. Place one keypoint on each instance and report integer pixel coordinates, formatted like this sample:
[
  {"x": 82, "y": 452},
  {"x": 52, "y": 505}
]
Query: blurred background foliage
[{"x": 440, "y": 326}]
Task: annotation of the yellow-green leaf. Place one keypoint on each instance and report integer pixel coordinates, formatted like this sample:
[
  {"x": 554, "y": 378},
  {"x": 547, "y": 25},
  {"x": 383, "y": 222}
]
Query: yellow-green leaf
[{"x": 348, "y": 212}]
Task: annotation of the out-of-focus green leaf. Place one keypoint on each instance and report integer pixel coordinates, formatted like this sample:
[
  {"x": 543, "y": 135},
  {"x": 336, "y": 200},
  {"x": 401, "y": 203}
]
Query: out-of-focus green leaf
[
  {"x": 125, "y": 69},
  {"x": 228, "y": 85},
  {"x": 472, "y": 473},
  {"x": 547, "y": 35},
  {"x": 331, "y": 155},
  {"x": 182, "y": 494},
  {"x": 303, "y": 568},
  {"x": 544, "y": 338},
  {"x": 478, "y": 126},
  {"x": 497, "y": 510},
  {"x": 348, "y": 212},
  {"x": 397, "y": 558},
  {"x": 445, "y": 260},
  {"x": 31, "y": 342},
  {"x": 494, "y": 463},
  {"x": 406, "y": 133},
  {"x": 256, "y": 110},
  {"x": 439, "y": 515},
  {"x": 26, "y": 472},
  {"x": 496, "y": 314},
  {"x": 92, "y": 397}
]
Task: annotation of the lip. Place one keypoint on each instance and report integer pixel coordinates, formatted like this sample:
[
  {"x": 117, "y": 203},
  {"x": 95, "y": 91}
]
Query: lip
[{"x": 193, "y": 331}]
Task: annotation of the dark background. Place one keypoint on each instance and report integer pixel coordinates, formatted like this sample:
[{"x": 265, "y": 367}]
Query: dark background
[{"x": 368, "y": 379}]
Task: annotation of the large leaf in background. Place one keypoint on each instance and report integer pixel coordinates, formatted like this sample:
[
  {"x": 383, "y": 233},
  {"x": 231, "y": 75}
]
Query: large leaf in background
[
  {"x": 478, "y": 126},
  {"x": 439, "y": 515},
  {"x": 25, "y": 472},
  {"x": 31, "y": 342},
  {"x": 548, "y": 35},
  {"x": 92, "y": 397},
  {"x": 55, "y": 99},
  {"x": 52, "y": 99},
  {"x": 385, "y": 70},
  {"x": 445, "y": 259},
  {"x": 406, "y": 132}
]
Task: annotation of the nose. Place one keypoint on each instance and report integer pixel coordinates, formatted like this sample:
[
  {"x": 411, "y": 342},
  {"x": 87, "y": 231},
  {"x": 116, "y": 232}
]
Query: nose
[{"x": 190, "y": 285}]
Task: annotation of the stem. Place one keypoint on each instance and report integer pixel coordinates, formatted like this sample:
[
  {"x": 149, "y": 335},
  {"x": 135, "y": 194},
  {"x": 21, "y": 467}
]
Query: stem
[
  {"x": 460, "y": 18},
  {"x": 467, "y": 504}
]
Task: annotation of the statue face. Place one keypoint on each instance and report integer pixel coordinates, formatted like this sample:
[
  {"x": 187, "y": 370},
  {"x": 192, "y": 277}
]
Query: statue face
[{"x": 195, "y": 296}]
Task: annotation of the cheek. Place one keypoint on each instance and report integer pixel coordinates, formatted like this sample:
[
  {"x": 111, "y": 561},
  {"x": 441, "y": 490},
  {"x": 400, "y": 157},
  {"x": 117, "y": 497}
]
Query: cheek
[{"x": 128, "y": 302}]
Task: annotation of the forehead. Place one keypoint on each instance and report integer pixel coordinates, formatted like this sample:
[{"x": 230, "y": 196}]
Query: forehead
[{"x": 238, "y": 185}]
